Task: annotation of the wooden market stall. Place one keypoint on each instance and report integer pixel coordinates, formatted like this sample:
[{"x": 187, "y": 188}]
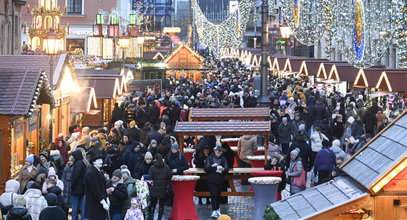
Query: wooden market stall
[
  {"x": 367, "y": 78},
  {"x": 342, "y": 77},
  {"x": 373, "y": 186},
  {"x": 292, "y": 65},
  {"x": 184, "y": 61},
  {"x": 64, "y": 85},
  {"x": 212, "y": 114},
  {"x": 309, "y": 69},
  {"x": 24, "y": 94},
  {"x": 223, "y": 128}
]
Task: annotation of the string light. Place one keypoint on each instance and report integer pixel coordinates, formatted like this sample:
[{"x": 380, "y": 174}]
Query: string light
[
  {"x": 401, "y": 34},
  {"x": 364, "y": 29},
  {"x": 306, "y": 18},
  {"x": 228, "y": 34}
]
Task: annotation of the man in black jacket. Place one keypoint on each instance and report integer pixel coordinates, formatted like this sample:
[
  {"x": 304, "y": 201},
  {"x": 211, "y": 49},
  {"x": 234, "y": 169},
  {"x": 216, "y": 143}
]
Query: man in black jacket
[
  {"x": 133, "y": 132},
  {"x": 78, "y": 185}
]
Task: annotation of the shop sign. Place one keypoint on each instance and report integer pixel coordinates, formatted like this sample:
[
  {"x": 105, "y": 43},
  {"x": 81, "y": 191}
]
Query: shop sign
[
  {"x": 32, "y": 123},
  {"x": 18, "y": 129},
  {"x": 85, "y": 33}
]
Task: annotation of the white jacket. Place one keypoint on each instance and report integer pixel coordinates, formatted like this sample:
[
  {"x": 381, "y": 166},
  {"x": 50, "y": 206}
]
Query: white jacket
[
  {"x": 35, "y": 202},
  {"x": 316, "y": 141}
]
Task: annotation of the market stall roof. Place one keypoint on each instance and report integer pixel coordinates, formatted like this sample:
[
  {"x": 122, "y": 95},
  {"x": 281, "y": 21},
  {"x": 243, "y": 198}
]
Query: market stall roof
[
  {"x": 208, "y": 114},
  {"x": 105, "y": 87},
  {"x": 393, "y": 81},
  {"x": 342, "y": 73},
  {"x": 340, "y": 193},
  {"x": 155, "y": 54},
  {"x": 372, "y": 164},
  {"x": 178, "y": 48},
  {"x": 223, "y": 128},
  {"x": 122, "y": 79},
  {"x": 324, "y": 69},
  {"x": 279, "y": 62},
  {"x": 255, "y": 60},
  {"x": 21, "y": 89},
  {"x": 368, "y": 78},
  {"x": 85, "y": 102},
  {"x": 35, "y": 61},
  {"x": 293, "y": 64}
]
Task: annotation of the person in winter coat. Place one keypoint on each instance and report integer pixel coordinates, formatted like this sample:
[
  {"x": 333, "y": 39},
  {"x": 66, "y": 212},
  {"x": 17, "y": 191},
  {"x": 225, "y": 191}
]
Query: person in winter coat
[
  {"x": 113, "y": 161},
  {"x": 35, "y": 202},
  {"x": 154, "y": 135},
  {"x": 19, "y": 211},
  {"x": 152, "y": 148},
  {"x": 85, "y": 138},
  {"x": 161, "y": 175},
  {"x": 357, "y": 128},
  {"x": 143, "y": 166},
  {"x": 27, "y": 172},
  {"x": 246, "y": 146},
  {"x": 324, "y": 163},
  {"x": 78, "y": 185},
  {"x": 133, "y": 132},
  {"x": 132, "y": 156},
  {"x": 129, "y": 183},
  {"x": 176, "y": 161},
  {"x": 53, "y": 188},
  {"x": 297, "y": 122},
  {"x": 52, "y": 175},
  {"x": 285, "y": 131},
  {"x": 97, "y": 201},
  {"x": 228, "y": 154},
  {"x": 337, "y": 128},
  {"x": 9, "y": 197},
  {"x": 199, "y": 161},
  {"x": 216, "y": 167},
  {"x": 53, "y": 211},
  {"x": 61, "y": 146},
  {"x": 296, "y": 173},
  {"x": 135, "y": 212},
  {"x": 338, "y": 151},
  {"x": 276, "y": 162},
  {"x": 117, "y": 192},
  {"x": 304, "y": 153},
  {"x": 318, "y": 112},
  {"x": 316, "y": 143},
  {"x": 67, "y": 180}
]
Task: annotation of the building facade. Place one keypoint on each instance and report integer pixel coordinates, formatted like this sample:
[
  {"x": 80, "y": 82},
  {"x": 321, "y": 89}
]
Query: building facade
[
  {"x": 159, "y": 13},
  {"x": 10, "y": 25}
]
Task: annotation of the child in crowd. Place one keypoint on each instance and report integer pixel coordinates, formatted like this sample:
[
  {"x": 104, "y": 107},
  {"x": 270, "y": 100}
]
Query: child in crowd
[{"x": 134, "y": 212}]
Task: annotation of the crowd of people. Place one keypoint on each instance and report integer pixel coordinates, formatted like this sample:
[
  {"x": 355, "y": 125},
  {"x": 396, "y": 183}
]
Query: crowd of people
[{"x": 123, "y": 171}]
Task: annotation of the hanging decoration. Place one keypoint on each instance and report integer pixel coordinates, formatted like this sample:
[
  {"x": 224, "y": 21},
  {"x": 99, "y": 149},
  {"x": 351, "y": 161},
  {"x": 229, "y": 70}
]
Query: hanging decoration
[
  {"x": 365, "y": 29},
  {"x": 228, "y": 34},
  {"x": 401, "y": 34},
  {"x": 329, "y": 27},
  {"x": 306, "y": 18}
]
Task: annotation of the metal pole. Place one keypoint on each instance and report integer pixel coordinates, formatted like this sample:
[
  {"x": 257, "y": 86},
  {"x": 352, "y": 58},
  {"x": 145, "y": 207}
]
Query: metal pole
[
  {"x": 51, "y": 77},
  {"x": 264, "y": 100}
]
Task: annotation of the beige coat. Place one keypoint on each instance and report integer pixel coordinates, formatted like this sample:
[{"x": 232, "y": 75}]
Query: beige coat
[
  {"x": 246, "y": 146},
  {"x": 24, "y": 176}
]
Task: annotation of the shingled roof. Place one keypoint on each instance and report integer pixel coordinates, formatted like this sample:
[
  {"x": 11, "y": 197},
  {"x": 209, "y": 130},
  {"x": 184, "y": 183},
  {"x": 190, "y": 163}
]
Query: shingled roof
[
  {"x": 318, "y": 199},
  {"x": 21, "y": 89},
  {"x": 375, "y": 159}
]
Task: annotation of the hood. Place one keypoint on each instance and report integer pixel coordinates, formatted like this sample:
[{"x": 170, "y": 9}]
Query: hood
[
  {"x": 12, "y": 186},
  {"x": 247, "y": 137},
  {"x": 33, "y": 193},
  {"x": 55, "y": 189},
  {"x": 77, "y": 154},
  {"x": 85, "y": 130}
]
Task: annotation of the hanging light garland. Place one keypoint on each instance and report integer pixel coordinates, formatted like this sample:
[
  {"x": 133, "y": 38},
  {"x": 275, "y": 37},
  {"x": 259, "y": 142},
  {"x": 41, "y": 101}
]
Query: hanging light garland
[
  {"x": 365, "y": 29},
  {"x": 401, "y": 34},
  {"x": 329, "y": 27},
  {"x": 228, "y": 34},
  {"x": 307, "y": 19}
]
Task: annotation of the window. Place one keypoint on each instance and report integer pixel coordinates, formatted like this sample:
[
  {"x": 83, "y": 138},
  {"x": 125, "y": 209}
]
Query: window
[{"x": 74, "y": 6}]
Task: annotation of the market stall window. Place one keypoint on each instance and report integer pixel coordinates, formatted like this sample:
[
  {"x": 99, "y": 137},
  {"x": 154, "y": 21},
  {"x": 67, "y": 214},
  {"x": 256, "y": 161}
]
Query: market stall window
[{"x": 72, "y": 44}]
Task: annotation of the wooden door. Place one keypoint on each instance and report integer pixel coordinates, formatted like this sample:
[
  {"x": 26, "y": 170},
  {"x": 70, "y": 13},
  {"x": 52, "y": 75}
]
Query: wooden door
[{"x": 401, "y": 213}]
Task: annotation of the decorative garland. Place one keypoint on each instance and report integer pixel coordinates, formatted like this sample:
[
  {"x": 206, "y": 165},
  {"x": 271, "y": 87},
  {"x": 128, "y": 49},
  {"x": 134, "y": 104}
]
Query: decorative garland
[{"x": 401, "y": 34}]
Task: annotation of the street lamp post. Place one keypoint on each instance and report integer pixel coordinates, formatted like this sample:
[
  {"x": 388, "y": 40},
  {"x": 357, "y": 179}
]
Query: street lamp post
[
  {"x": 264, "y": 100},
  {"x": 51, "y": 43}
]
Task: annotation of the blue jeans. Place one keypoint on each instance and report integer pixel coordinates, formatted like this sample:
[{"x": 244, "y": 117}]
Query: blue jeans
[
  {"x": 78, "y": 202},
  {"x": 116, "y": 216}
]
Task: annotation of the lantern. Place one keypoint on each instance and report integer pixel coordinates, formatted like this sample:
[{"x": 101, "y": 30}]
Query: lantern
[
  {"x": 133, "y": 18},
  {"x": 100, "y": 19},
  {"x": 285, "y": 31},
  {"x": 97, "y": 30},
  {"x": 123, "y": 42},
  {"x": 51, "y": 42}
]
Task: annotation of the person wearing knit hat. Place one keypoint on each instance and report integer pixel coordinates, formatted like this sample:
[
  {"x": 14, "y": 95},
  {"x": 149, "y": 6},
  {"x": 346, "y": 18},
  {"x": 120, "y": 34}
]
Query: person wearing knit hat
[
  {"x": 176, "y": 161},
  {"x": 117, "y": 192},
  {"x": 30, "y": 160},
  {"x": 135, "y": 211},
  {"x": 296, "y": 173},
  {"x": 143, "y": 167},
  {"x": 224, "y": 217},
  {"x": 174, "y": 147}
]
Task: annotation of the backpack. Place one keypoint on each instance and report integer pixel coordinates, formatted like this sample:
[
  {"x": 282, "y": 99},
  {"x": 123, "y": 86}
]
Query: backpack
[
  {"x": 6, "y": 209},
  {"x": 183, "y": 116}
]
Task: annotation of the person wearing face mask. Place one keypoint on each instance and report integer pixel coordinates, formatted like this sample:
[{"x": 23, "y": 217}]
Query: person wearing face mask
[
  {"x": 117, "y": 192},
  {"x": 216, "y": 166},
  {"x": 97, "y": 202}
]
